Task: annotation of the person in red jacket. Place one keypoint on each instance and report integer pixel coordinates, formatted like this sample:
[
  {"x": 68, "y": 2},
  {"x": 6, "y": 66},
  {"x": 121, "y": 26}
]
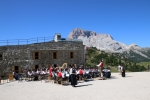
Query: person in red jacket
[
  {"x": 59, "y": 75},
  {"x": 80, "y": 74},
  {"x": 50, "y": 69},
  {"x": 81, "y": 71}
]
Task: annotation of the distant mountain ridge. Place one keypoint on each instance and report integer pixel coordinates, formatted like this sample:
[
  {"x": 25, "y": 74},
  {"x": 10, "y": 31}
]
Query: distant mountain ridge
[{"x": 106, "y": 43}]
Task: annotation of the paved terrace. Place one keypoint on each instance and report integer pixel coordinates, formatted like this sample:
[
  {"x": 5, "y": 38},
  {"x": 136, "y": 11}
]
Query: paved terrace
[{"x": 135, "y": 86}]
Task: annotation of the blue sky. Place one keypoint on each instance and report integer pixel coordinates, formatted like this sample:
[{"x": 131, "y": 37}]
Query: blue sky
[{"x": 127, "y": 21}]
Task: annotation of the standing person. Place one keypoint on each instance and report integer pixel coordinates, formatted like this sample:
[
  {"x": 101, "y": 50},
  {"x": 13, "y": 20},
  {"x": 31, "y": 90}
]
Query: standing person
[
  {"x": 101, "y": 66},
  {"x": 73, "y": 78},
  {"x": 70, "y": 72},
  {"x": 119, "y": 69},
  {"x": 123, "y": 71},
  {"x": 50, "y": 68}
]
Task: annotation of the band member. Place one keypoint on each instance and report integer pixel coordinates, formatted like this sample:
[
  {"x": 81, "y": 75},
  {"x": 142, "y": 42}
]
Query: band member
[{"x": 73, "y": 78}]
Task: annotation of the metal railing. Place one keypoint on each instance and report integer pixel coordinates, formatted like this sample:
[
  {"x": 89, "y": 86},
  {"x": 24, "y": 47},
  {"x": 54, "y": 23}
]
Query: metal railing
[{"x": 25, "y": 41}]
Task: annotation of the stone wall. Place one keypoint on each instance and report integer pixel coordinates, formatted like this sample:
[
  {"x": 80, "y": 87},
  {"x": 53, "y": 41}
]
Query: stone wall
[{"x": 23, "y": 55}]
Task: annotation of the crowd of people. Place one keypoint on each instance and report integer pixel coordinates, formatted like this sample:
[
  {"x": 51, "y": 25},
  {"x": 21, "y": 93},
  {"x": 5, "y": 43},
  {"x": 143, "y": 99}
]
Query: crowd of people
[{"x": 70, "y": 73}]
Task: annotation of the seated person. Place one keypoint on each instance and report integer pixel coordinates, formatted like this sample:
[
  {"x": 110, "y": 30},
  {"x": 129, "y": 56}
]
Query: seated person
[
  {"x": 93, "y": 73},
  {"x": 43, "y": 72},
  {"x": 80, "y": 72},
  {"x": 67, "y": 72},
  {"x": 38, "y": 72},
  {"x": 33, "y": 72},
  {"x": 59, "y": 75},
  {"x": 87, "y": 75},
  {"x": 29, "y": 73}
]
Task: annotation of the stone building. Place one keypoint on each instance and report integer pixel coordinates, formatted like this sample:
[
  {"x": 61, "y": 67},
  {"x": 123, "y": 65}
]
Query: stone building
[{"x": 37, "y": 55}]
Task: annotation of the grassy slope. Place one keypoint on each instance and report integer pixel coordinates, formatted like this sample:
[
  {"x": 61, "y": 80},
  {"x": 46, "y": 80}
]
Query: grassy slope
[
  {"x": 143, "y": 63},
  {"x": 113, "y": 68}
]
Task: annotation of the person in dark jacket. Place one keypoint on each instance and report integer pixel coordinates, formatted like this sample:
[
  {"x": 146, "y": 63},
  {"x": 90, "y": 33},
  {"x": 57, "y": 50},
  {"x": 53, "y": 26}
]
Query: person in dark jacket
[
  {"x": 123, "y": 71},
  {"x": 73, "y": 78}
]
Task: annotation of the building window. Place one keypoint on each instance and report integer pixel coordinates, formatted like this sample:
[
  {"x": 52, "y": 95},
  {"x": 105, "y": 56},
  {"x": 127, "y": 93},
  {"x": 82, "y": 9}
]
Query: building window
[
  {"x": 1, "y": 57},
  {"x": 55, "y": 55},
  {"x": 71, "y": 55},
  {"x": 36, "y": 55}
]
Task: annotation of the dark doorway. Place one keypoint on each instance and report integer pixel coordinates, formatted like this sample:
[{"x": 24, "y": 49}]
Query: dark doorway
[
  {"x": 36, "y": 67},
  {"x": 17, "y": 69},
  {"x": 55, "y": 65}
]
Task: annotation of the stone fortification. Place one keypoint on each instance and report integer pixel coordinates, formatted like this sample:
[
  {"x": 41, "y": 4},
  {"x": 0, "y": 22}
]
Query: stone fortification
[{"x": 38, "y": 55}]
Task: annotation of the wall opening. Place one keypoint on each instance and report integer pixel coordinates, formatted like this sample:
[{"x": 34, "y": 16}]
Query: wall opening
[
  {"x": 16, "y": 68},
  {"x": 71, "y": 55},
  {"x": 1, "y": 57},
  {"x": 55, "y": 55},
  {"x": 36, "y": 67},
  {"x": 36, "y": 55},
  {"x": 55, "y": 65}
]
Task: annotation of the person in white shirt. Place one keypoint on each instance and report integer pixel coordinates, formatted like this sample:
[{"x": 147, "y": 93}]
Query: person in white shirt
[
  {"x": 33, "y": 73},
  {"x": 123, "y": 71},
  {"x": 119, "y": 69},
  {"x": 70, "y": 71},
  {"x": 101, "y": 66},
  {"x": 77, "y": 71},
  {"x": 29, "y": 73},
  {"x": 87, "y": 71},
  {"x": 64, "y": 73},
  {"x": 38, "y": 71},
  {"x": 43, "y": 73}
]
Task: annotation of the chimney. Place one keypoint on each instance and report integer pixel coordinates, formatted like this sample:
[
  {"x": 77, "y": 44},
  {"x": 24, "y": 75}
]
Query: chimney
[{"x": 57, "y": 37}]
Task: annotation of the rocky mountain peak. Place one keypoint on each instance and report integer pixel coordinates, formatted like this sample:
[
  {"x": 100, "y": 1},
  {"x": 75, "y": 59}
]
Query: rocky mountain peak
[
  {"x": 103, "y": 42},
  {"x": 100, "y": 41},
  {"x": 106, "y": 42},
  {"x": 80, "y": 32},
  {"x": 134, "y": 46}
]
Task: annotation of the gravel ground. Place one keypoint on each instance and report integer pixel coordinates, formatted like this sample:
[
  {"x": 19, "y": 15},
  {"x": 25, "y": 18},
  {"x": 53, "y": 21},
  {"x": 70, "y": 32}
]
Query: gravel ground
[{"x": 135, "y": 86}]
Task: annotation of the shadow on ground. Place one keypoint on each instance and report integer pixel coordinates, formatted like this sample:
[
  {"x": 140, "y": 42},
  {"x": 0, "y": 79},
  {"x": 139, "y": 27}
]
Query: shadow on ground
[
  {"x": 88, "y": 80},
  {"x": 128, "y": 76},
  {"x": 83, "y": 85},
  {"x": 112, "y": 77}
]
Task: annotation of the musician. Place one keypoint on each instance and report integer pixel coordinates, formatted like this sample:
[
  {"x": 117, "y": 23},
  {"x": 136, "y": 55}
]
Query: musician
[{"x": 73, "y": 78}]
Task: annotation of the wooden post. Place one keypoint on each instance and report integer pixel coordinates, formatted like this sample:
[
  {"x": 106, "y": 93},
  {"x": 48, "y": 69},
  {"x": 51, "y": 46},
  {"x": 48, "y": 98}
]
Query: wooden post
[
  {"x": 10, "y": 77},
  {"x": 20, "y": 71}
]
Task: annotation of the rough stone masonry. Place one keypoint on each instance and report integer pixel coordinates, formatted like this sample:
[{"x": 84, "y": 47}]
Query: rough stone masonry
[{"x": 33, "y": 56}]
